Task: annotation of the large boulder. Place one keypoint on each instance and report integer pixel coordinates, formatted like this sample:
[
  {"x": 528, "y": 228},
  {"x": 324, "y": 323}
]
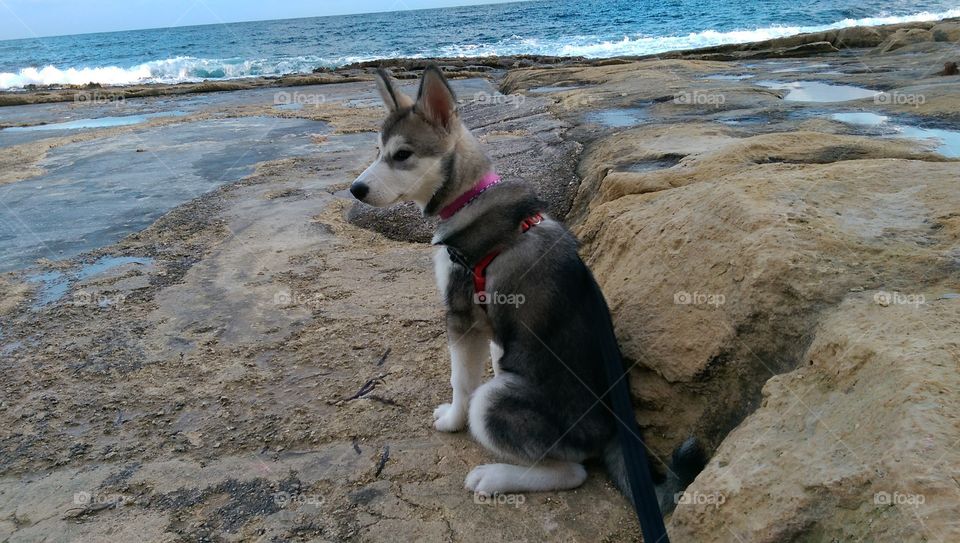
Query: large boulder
[
  {"x": 859, "y": 36},
  {"x": 716, "y": 269},
  {"x": 948, "y": 31},
  {"x": 858, "y": 444},
  {"x": 902, "y": 38}
]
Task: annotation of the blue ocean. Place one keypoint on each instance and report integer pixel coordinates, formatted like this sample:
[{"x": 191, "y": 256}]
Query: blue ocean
[{"x": 590, "y": 28}]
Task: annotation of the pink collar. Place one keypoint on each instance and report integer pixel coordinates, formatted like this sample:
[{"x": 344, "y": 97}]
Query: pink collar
[{"x": 485, "y": 182}]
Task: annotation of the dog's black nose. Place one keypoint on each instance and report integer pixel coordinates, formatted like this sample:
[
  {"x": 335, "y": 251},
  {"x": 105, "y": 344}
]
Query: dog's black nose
[{"x": 359, "y": 190}]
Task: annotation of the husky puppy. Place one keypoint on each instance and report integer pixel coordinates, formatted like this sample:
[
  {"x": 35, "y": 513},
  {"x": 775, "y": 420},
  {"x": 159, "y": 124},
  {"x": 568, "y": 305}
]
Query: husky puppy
[{"x": 516, "y": 292}]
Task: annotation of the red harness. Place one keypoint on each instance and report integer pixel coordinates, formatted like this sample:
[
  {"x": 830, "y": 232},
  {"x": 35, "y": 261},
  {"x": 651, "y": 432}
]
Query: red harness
[{"x": 480, "y": 270}]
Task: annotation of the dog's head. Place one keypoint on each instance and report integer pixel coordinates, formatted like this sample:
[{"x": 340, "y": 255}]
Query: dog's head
[{"x": 415, "y": 138}]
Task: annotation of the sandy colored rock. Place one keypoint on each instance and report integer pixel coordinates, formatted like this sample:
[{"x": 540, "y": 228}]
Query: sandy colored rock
[
  {"x": 802, "y": 238},
  {"x": 946, "y": 31},
  {"x": 903, "y": 38},
  {"x": 859, "y": 443}
]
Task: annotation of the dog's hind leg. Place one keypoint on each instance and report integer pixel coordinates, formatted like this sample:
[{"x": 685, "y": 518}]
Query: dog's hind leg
[
  {"x": 468, "y": 357},
  {"x": 512, "y": 424}
]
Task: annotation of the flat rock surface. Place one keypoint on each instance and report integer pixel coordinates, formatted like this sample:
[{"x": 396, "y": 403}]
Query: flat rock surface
[{"x": 199, "y": 379}]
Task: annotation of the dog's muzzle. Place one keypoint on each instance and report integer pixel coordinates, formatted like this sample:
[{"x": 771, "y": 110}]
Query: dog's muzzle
[{"x": 359, "y": 190}]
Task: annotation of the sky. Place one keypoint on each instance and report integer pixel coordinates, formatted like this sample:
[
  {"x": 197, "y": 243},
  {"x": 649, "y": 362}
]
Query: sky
[{"x": 33, "y": 18}]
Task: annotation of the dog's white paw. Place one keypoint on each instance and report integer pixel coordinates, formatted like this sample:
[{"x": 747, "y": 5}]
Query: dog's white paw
[
  {"x": 448, "y": 419},
  {"x": 490, "y": 479},
  {"x": 441, "y": 410}
]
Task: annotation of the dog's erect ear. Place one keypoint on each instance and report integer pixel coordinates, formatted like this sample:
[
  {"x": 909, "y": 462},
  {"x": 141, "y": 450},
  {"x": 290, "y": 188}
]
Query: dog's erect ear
[
  {"x": 392, "y": 98},
  {"x": 435, "y": 99}
]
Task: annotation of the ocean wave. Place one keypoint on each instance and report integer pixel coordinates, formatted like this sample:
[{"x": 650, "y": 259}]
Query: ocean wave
[
  {"x": 190, "y": 69},
  {"x": 650, "y": 45},
  {"x": 171, "y": 70},
  {"x": 593, "y": 47}
]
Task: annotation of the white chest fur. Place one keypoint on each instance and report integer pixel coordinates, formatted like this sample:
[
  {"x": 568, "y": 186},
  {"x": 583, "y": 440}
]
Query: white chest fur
[{"x": 442, "y": 267}]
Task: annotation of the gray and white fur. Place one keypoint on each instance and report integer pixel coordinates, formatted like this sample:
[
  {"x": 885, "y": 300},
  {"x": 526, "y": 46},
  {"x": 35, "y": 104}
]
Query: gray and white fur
[{"x": 544, "y": 412}]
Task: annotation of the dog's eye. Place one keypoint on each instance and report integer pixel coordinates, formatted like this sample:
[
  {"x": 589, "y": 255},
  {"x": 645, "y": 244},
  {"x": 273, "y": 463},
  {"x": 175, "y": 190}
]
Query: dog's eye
[{"x": 402, "y": 155}]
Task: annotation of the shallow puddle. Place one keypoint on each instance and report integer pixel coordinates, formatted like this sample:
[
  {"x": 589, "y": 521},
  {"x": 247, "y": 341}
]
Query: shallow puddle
[
  {"x": 644, "y": 166},
  {"x": 99, "y": 122},
  {"x": 17, "y": 135},
  {"x": 747, "y": 120},
  {"x": 553, "y": 88},
  {"x": 861, "y": 118},
  {"x": 54, "y": 285},
  {"x": 947, "y": 141},
  {"x": 813, "y": 91},
  {"x": 728, "y": 77},
  {"x": 617, "y": 118},
  {"x": 801, "y": 68}
]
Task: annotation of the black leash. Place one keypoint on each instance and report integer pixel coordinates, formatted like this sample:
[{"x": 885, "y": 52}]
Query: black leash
[{"x": 645, "y": 502}]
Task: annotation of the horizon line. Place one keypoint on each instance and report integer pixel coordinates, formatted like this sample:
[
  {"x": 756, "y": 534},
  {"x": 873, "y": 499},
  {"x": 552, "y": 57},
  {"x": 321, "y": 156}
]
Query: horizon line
[{"x": 467, "y": 4}]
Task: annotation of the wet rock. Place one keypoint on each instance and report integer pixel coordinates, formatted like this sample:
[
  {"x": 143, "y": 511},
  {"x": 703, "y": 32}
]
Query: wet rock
[
  {"x": 950, "y": 68},
  {"x": 948, "y": 31},
  {"x": 802, "y": 50}
]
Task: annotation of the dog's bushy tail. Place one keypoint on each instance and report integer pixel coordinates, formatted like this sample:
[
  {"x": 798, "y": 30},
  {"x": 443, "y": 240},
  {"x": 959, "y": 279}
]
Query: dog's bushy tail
[{"x": 687, "y": 461}]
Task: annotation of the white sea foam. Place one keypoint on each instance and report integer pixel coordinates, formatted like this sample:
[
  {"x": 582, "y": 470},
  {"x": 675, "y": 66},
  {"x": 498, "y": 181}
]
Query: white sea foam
[
  {"x": 171, "y": 70},
  {"x": 189, "y": 69},
  {"x": 647, "y": 45}
]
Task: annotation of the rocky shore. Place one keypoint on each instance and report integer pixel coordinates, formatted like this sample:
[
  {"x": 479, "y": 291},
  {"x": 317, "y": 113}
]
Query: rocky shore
[{"x": 775, "y": 226}]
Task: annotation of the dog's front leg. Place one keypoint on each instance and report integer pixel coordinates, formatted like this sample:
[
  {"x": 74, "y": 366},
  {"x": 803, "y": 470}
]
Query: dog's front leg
[{"x": 468, "y": 356}]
